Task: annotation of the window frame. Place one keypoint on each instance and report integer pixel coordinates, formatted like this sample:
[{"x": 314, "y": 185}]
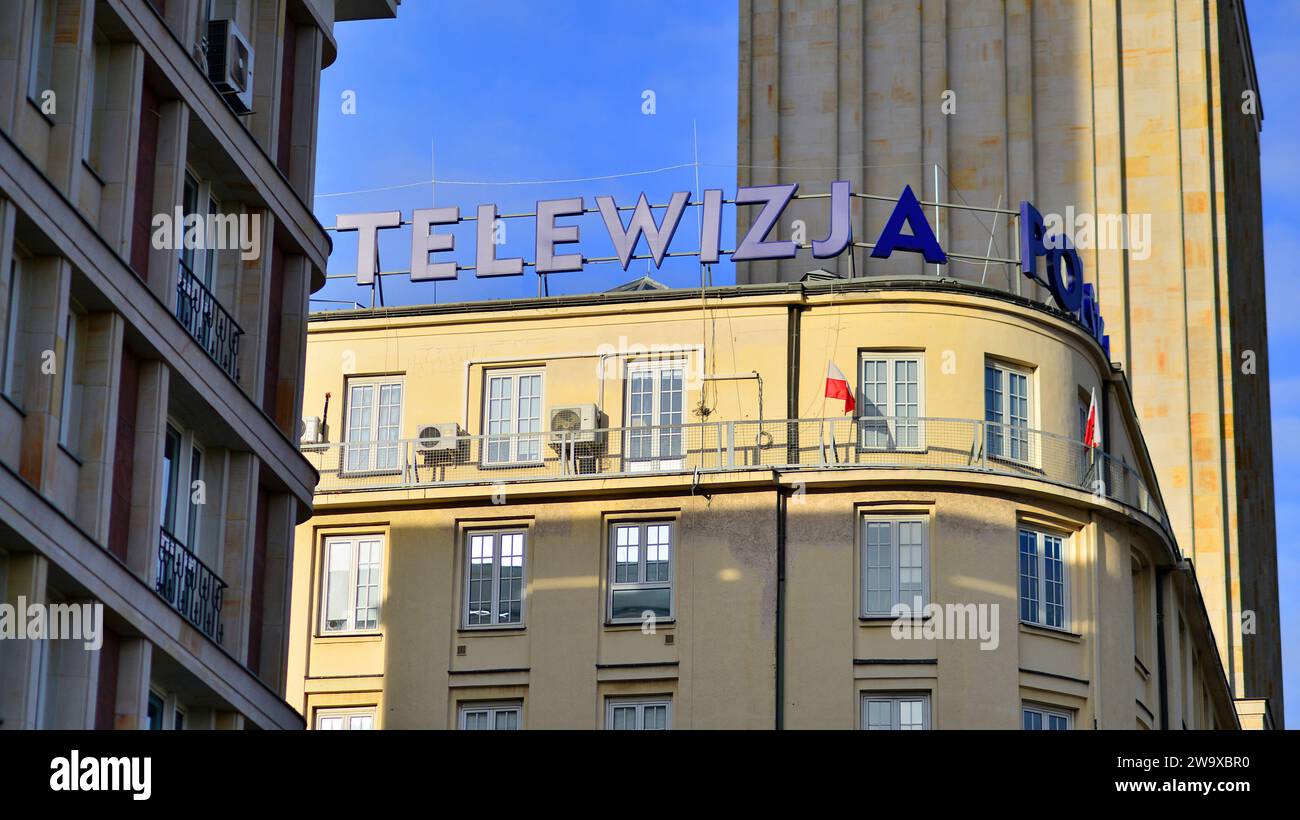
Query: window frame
[
  {"x": 895, "y": 701},
  {"x": 187, "y": 517},
  {"x": 374, "y": 445},
  {"x": 492, "y": 708},
  {"x": 13, "y": 320},
  {"x": 1041, "y": 581},
  {"x": 894, "y": 522},
  {"x": 495, "y": 612},
  {"x": 656, "y": 461},
  {"x": 640, "y": 703},
  {"x": 41, "y": 58},
  {"x": 611, "y": 559},
  {"x": 514, "y": 437},
  {"x": 888, "y": 422},
  {"x": 347, "y": 714},
  {"x": 1009, "y": 434},
  {"x": 201, "y": 262},
  {"x": 1045, "y": 713},
  {"x": 97, "y": 81},
  {"x": 69, "y": 419},
  {"x": 351, "y": 628}
]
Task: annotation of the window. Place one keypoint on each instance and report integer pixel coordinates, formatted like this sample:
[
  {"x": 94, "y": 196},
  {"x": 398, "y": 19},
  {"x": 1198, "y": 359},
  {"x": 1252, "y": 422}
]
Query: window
[
  {"x": 655, "y": 392},
  {"x": 503, "y": 716},
  {"x": 156, "y": 710},
  {"x": 200, "y": 258},
  {"x": 895, "y": 565},
  {"x": 178, "y": 719},
  {"x": 345, "y": 719},
  {"x": 1036, "y": 718},
  {"x": 1007, "y": 408},
  {"x": 351, "y": 589},
  {"x": 1141, "y": 628},
  {"x": 41, "y": 68},
  {"x": 513, "y": 408},
  {"x": 892, "y": 388},
  {"x": 13, "y": 361},
  {"x": 1042, "y": 579},
  {"x": 97, "y": 97},
  {"x": 641, "y": 571},
  {"x": 881, "y": 712},
  {"x": 638, "y": 714},
  {"x": 494, "y": 579},
  {"x": 70, "y": 402},
  {"x": 182, "y": 466},
  {"x": 374, "y": 422}
]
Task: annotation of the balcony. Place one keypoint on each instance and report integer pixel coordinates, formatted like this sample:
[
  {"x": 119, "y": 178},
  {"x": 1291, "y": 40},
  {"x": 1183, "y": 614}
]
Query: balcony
[
  {"x": 191, "y": 588},
  {"x": 877, "y": 442},
  {"x": 207, "y": 321}
]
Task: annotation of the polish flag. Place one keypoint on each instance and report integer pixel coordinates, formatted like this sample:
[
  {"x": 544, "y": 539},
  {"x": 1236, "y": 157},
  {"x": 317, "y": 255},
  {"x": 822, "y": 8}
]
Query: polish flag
[
  {"x": 837, "y": 387},
  {"x": 1092, "y": 427}
]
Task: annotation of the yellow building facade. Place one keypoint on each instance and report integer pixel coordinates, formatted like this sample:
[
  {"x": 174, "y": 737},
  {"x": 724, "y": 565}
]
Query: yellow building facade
[{"x": 638, "y": 509}]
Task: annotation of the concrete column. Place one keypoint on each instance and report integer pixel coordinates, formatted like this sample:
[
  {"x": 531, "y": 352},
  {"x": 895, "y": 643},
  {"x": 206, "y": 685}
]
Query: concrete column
[
  {"x": 308, "y": 54},
  {"x": 73, "y": 20},
  {"x": 99, "y": 376},
  {"x": 42, "y": 346},
  {"x": 293, "y": 343},
  {"x": 228, "y": 720},
  {"x": 276, "y": 589},
  {"x": 168, "y": 189},
  {"x": 250, "y": 308},
  {"x": 134, "y": 668},
  {"x": 11, "y": 28},
  {"x": 20, "y": 675},
  {"x": 73, "y": 681},
  {"x": 267, "y": 37},
  {"x": 236, "y": 566},
  {"x": 120, "y": 141},
  {"x": 146, "y": 485}
]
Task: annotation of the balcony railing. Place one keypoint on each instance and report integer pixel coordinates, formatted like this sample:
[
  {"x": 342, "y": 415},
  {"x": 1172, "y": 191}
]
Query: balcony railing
[
  {"x": 207, "y": 321},
  {"x": 187, "y": 583},
  {"x": 872, "y": 442}
]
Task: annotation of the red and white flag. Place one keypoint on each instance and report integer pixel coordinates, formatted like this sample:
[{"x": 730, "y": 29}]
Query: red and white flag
[
  {"x": 837, "y": 387},
  {"x": 1092, "y": 427}
]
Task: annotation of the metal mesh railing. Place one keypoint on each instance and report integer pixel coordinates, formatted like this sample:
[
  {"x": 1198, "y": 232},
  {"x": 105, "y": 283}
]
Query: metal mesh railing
[{"x": 871, "y": 441}]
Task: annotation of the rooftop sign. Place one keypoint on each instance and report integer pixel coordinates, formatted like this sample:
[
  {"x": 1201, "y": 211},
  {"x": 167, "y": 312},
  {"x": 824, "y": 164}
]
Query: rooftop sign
[{"x": 907, "y": 229}]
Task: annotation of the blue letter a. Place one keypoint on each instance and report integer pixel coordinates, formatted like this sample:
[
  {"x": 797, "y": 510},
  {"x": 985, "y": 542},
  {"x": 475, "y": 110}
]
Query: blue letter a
[{"x": 921, "y": 240}]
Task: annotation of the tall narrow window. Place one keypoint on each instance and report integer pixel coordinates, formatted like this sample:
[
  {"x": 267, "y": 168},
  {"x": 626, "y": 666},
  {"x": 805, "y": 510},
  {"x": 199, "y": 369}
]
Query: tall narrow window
[
  {"x": 70, "y": 403},
  {"x": 895, "y": 565},
  {"x": 40, "y": 73},
  {"x": 1007, "y": 408},
  {"x": 655, "y": 392},
  {"x": 374, "y": 419},
  {"x": 97, "y": 120},
  {"x": 12, "y": 360},
  {"x": 641, "y": 571},
  {"x": 637, "y": 714},
  {"x": 491, "y": 716},
  {"x": 893, "y": 401},
  {"x": 1042, "y": 579},
  {"x": 494, "y": 579},
  {"x": 512, "y": 411},
  {"x": 352, "y": 584},
  {"x": 170, "y": 477},
  {"x": 899, "y": 712}
]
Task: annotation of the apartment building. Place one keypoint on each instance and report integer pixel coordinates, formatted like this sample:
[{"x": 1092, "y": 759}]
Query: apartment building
[
  {"x": 1135, "y": 123},
  {"x": 639, "y": 510},
  {"x": 152, "y": 387}
]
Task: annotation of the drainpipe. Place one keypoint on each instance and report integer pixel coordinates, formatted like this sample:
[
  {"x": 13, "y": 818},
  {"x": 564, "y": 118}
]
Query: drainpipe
[
  {"x": 780, "y": 604},
  {"x": 1162, "y": 674}
]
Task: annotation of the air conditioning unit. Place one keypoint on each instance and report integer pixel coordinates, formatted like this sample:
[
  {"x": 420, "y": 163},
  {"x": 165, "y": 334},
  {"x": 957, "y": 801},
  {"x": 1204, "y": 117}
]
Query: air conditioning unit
[
  {"x": 575, "y": 424},
  {"x": 230, "y": 65},
  {"x": 313, "y": 432},
  {"x": 441, "y": 444}
]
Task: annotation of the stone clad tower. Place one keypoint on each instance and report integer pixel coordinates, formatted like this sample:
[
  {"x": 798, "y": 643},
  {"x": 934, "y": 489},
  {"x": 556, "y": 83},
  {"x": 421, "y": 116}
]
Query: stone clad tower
[{"x": 1134, "y": 108}]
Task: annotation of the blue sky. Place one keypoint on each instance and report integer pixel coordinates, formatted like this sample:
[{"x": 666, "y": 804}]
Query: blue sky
[{"x": 499, "y": 91}]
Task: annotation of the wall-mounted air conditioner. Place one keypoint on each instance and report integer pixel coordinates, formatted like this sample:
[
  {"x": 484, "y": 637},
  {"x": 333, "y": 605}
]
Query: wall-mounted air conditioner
[
  {"x": 230, "y": 65},
  {"x": 313, "y": 432},
  {"x": 441, "y": 444},
  {"x": 575, "y": 424}
]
